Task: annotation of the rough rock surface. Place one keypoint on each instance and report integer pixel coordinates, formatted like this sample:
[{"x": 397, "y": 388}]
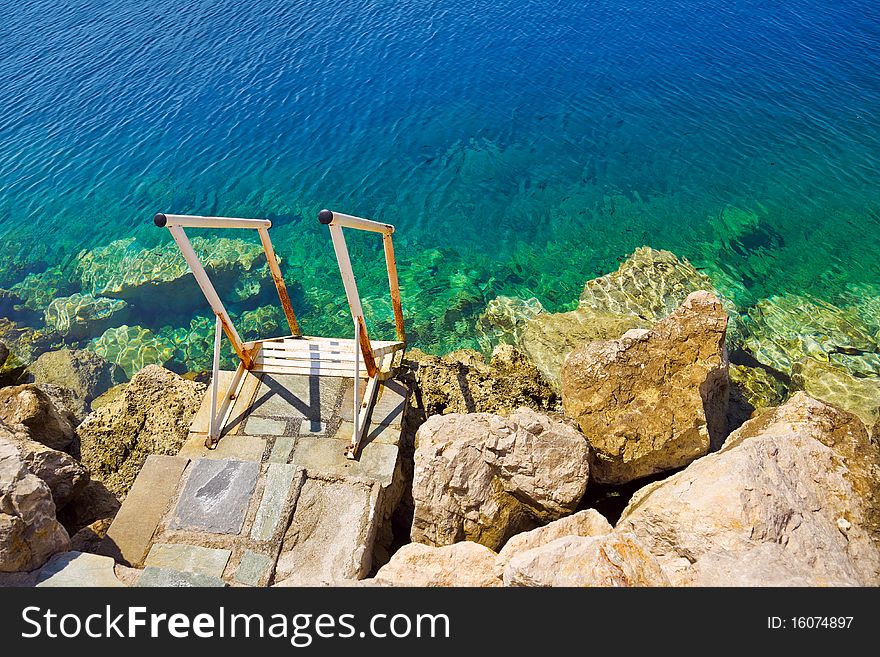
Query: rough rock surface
[
  {"x": 152, "y": 416},
  {"x": 462, "y": 382},
  {"x": 549, "y": 337},
  {"x": 655, "y": 399},
  {"x": 29, "y": 532},
  {"x": 81, "y": 316},
  {"x": 32, "y": 410},
  {"x": 84, "y": 373},
  {"x": 483, "y": 478},
  {"x": 833, "y": 384},
  {"x": 791, "y": 499},
  {"x": 583, "y": 523},
  {"x": 460, "y": 564},
  {"x": 646, "y": 287},
  {"x": 614, "y": 559},
  {"x": 64, "y": 475}
]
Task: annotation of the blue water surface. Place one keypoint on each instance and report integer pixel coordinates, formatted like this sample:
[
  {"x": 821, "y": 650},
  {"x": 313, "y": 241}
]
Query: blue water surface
[{"x": 519, "y": 147}]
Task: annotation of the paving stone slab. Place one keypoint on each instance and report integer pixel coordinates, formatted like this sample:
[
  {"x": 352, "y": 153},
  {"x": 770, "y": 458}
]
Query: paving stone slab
[
  {"x": 263, "y": 426},
  {"x": 280, "y": 482},
  {"x": 388, "y": 409},
  {"x": 326, "y": 457},
  {"x": 282, "y": 449},
  {"x": 216, "y": 496},
  {"x": 78, "y": 569},
  {"x": 312, "y": 428},
  {"x": 377, "y": 433},
  {"x": 189, "y": 558},
  {"x": 201, "y": 422},
  {"x": 296, "y": 396},
  {"x": 129, "y": 536},
  {"x": 165, "y": 577},
  {"x": 241, "y": 448},
  {"x": 331, "y": 533},
  {"x": 254, "y": 569}
]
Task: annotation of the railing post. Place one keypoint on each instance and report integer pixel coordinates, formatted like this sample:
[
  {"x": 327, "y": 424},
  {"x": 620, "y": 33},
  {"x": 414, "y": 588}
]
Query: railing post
[
  {"x": 357, "y": 380},
  {"x": 214, "y": 434}
]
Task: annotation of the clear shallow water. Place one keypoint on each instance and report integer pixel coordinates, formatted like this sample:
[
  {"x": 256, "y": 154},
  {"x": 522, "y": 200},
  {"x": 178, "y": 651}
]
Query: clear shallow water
[{"x": 519, "y": 147}]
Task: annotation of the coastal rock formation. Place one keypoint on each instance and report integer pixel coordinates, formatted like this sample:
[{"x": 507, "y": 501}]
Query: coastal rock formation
[
  {"x": 24, "y": 343},
  {"x": 482, "y": 478},
  {"x": 583, "y": 523},
  {"x": 503, "y": 320},
  {"x": 32, "y": 410},
  {"x": 654, "y": 399},
  {"x": 459, "y": 564},
  {"x": 614, "y": 559},
  {"x": 160, "y": 275},
  {"x": 64, "y": 475},
  {"x": 152, "y": 416},
  {"x": 81, "y": 316},
  {"x": 85, "y": 374},
  {"x": 646, "y": 287},
  {"x": 462, "y": 382},
  {"x": 783, "y": 330},
  {"x": 835, "y": 385},
  {"x": 549, "y": 337},
  {"x": 29, "y": 532},
  {"x": 791, "y": 499},
  {"x": 132, "y": 348}
]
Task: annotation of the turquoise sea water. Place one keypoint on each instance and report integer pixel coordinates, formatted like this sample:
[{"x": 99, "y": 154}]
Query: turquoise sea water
[{"x": 520, "y": 148}]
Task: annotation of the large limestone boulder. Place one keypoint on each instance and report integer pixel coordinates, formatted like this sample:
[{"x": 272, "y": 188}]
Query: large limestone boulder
[
  {"x": 81, "y": 316},
  {"x": 462, "y": 382},
  {"x": 655, "y": 399},
  {"x": 152, "y": 416},
  {"x": 32, "y": 411},
  {"x": 583, "y": 523},
  {"x": 29, "y": 532},
  {"x": 482, "y": 478},
  {"x": 784, "y": 330},
  {"x": 791, "y": 499},
  {"x": 83, "y": 373},
  {"x": 833, "y": 384},
  {"x": 646, "y": 287},
  {"x": 460, "y": 564},
  {"x": 615, "y": 559},
  {"x": 63, "y": 474}
]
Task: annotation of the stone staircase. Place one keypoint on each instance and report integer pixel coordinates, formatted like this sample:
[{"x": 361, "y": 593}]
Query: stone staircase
[{"x": 276, "y": 501}]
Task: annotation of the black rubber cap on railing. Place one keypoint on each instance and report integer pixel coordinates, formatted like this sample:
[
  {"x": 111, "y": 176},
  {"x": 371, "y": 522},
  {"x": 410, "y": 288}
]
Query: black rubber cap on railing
[
  {"x": 160, "y": 220},
  {"x": 325, "y": 217}
]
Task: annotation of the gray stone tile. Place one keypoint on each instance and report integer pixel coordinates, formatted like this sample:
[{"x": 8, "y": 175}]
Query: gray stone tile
[
  {"x": 239, "y": 448},
  {"x": 77, "y": 569},
  {"x": 216, "y": 496},
  {"x": 165, "y": 577},
  {"x": 189, "y": 558},
  {"x": 280, "y": 479},
  {"x": 331, "y": 534},
  {"x": 254, "y": 569},
  {"x": 297, "y": 395},
  {"x": 326, "y": 456},
  {"x": 261, "y": 426},
  {"x": 377, "y": 433},
  {"x": 312, "y": 428},
  {"x": 281, "y": 449},
  {"x": 389, "y": 406}
]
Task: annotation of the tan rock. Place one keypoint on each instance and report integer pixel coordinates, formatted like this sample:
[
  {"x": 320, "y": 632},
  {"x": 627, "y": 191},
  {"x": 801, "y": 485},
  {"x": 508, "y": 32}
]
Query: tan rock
[
  {"x": 151, "y": 416},
  {"x": 29, "y": 533},
  {"x": 32, "y": 410},
  {"x": 654, "y": 399},
  {"x": 615, "y": 559},
  {"x": 460, "y": 564},
  {"x": 583, "y": 523},
  {"x": 483, "y": 478},
  {"x": 791, "y": 499}
]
